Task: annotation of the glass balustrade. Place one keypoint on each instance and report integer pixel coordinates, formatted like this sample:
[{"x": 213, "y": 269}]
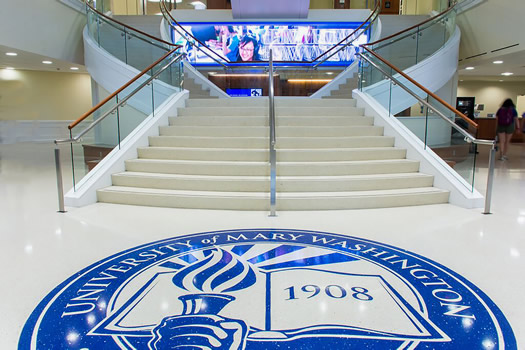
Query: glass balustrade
[
  {"x": 120, "y": 114},
  {"x": 130, "y": 46},
  {"x": 423, "y": 115},
  {"x": 409, "y": 48}
]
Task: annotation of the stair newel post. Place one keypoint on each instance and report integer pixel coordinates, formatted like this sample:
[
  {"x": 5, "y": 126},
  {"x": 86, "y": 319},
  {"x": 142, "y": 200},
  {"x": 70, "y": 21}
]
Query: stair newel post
[
  {"x": 490, "y": 179},
  {"x": 273, "y": 156},
  {"x": 60, "y": 185}
]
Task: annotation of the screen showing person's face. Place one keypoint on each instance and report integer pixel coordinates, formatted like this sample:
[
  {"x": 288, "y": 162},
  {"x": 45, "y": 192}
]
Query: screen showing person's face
[{"x": 246, "y": 51}]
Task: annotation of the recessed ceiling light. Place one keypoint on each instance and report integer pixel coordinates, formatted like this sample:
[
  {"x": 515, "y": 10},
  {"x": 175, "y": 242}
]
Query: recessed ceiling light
[
  {"x": 74, "y": 68},
  {"x": 507, "y": 74},
  {"x": 9, "y": 68},
  {"x": 469, "y": 68},
  {"x": 11, "y": 54},
  {"x": 329, "y": 73},
  {"x": 497, "y": 62},
  {"x": 501, "y": 80},
  {"x": 461, "y": 80},
  {"x": 47, "y": 62}
]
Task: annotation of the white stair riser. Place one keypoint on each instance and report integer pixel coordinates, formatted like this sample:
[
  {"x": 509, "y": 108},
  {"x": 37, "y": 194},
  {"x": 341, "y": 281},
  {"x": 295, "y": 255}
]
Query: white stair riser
[
  {"x": 212, "y": 142},
  {"x": 256, "y": 203},
  {"x": 263, "y": 121},
  {"x": 190, "y": 202},
  {"x": 262, "y": 142},
  {"x": 279, "y": 102},
  {"x": 231, "y": 184},
  {"x": 254, "y": 155},
  {"x": 334, "y": 169},
  {"x": 339, "y": 155},
  {"x": 263, "y": 169},
  {"x": 282, "y": 131},
  {"x": 362, "y": 203},
  {"x": 334, "y": 142},
  {"x": 263, "y": 111},
  {"x": 212, "y": 168},
  {"x": 261, "y": 155}
]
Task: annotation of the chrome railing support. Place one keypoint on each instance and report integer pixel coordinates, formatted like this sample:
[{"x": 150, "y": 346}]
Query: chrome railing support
[
  {"x": 273, "y": 155},
  {"x": 490, "y": 179},
  {"x": 60, "y": 185}
]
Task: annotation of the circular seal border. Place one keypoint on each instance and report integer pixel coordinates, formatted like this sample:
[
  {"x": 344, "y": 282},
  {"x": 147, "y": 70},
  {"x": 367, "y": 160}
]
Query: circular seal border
[{"x": 501, "y": 324}]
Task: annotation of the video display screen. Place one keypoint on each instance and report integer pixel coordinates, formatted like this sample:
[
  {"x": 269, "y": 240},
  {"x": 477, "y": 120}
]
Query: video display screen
[{"x": 234, "y": 42}]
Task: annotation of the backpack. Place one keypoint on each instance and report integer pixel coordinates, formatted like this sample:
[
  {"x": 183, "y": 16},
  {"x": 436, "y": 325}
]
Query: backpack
[{"x": 505, "y": 116}]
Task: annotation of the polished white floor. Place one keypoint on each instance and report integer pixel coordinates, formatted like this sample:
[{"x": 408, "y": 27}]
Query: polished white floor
[{"x": 41, "y": 248}]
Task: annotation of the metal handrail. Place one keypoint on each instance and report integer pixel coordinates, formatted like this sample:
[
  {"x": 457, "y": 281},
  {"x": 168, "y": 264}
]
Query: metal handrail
[
  {"x": 273, "y": 155},
  {"x": 122, "y": 102},
  {"x": 468, "y": 137},
  {"x": 436, "y": 97},
  {"x": 71, "y": 140}
]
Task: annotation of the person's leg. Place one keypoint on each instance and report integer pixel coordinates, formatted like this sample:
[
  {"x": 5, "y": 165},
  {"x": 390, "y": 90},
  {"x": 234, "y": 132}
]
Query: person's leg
[
  {"x": 507, "y": 144},
  {"x": 501, "y": 138}
]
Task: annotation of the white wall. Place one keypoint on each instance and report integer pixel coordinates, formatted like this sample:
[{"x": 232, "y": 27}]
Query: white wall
[
  {"x": 491, "y": 25},
  {"x": 45, "y": 27},
  {"x": 38, "y": 106},
  {"x": 492, "y": 93}
]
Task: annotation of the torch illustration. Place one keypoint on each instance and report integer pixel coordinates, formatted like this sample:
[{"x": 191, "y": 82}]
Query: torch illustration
[{"x": 200, "y": 325}]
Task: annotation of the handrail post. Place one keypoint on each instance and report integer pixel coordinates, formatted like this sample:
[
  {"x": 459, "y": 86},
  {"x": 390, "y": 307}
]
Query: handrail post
[
  {"x": 60, "y": 186},
  {"x": 273, "y": 156},
  {"x": 490, "y": 179}
]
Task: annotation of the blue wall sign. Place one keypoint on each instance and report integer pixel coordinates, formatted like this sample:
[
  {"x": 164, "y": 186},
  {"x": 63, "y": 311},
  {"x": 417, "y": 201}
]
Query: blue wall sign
[
  {"x": 244, "y": 92},
  {"x": 266, "y": 289}
]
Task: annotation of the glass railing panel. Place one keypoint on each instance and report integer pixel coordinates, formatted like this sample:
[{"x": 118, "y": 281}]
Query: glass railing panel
[
  {"x": 371, "y": 75},
  {"x": 142, "y": 50},
  {"x": 450, "y": 144},
  {"x": 122, "y": 113},
  {"x": 96, "y": 143},
  {"x": 137, "y": 107},
  {"x": 412, "y": 47},
  {"x": 401, "y": 51},
  {"x": 111, "y": 38},
  {"x": 92, "y": 25}
]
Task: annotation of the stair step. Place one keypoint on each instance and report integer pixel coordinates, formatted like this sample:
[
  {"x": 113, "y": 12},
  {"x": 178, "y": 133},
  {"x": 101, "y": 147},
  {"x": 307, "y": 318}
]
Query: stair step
[
  {"x": 262, "y": 183},
  {"x": 263, "y": 111},
  {"x": 263, "y": 121},
  {"x": 260, "y": 200},
  {"x": 243, "y": 168},
  {"x": 263, "y": 102},
  {"x": 261, "y": 131},
  {"x": 262, "y": 142},
  {"x": 261, "y": 155}
]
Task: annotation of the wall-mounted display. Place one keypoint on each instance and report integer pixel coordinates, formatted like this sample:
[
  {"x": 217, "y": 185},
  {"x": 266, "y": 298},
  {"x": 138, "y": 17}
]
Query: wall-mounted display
[{"x": 247, "y": 42}]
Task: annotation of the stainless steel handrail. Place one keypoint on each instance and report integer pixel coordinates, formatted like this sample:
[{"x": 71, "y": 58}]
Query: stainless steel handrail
[
  {"x": 122, "y": 102},
  {"x": 468, "y": 137},
  {"x": 273, "y": 154}
]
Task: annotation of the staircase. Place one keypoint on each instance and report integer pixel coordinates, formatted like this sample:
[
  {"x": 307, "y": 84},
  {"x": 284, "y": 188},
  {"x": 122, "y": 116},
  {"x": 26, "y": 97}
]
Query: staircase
[
  {"x": 345, "y": 90},
  {"x": 214, "y": 155}
]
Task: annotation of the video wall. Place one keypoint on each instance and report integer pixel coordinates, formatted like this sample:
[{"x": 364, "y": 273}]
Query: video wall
[{"x": 234, "y": 42}]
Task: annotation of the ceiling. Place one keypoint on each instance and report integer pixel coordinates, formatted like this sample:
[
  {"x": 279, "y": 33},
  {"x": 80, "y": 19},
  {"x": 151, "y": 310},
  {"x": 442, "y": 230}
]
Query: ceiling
[
  {"x": 31, "y": 61},
  {"x": 486, "y": 70}
]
